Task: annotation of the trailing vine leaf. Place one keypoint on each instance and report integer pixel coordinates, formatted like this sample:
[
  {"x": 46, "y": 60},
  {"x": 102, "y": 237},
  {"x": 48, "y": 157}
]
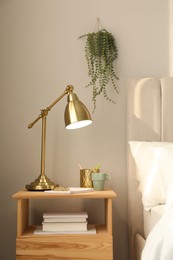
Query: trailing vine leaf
[{"x": 100, "y": 53}]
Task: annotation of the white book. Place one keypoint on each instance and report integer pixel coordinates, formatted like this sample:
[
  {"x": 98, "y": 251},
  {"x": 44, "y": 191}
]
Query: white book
[
  {"x": 39, "y": 231},
  {"x": 68, "y": 226},
  {"x": 71, "y": 190},
  {"x": 65, "y": 217},
  {"x": 64, "y": 220},
  {"x": 74, "y": 190}
]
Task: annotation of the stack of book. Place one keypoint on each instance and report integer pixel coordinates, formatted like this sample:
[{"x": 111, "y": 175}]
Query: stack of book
[
  {"x": 65, "y": 223},
  {"x": 69, "y": 222}
]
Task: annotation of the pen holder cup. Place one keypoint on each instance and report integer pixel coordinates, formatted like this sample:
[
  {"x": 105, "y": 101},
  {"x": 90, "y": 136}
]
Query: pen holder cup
[{"x": 85, "y": 178}]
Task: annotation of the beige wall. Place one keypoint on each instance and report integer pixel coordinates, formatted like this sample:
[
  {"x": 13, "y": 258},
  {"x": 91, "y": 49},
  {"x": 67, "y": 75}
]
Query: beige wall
[
  {"x": 39, "y": 55},
  {"x": 171, "y": 37}
]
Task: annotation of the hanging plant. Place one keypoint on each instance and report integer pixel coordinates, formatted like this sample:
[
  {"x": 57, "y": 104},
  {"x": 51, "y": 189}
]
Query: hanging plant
[{"x": 101, "y": 52}]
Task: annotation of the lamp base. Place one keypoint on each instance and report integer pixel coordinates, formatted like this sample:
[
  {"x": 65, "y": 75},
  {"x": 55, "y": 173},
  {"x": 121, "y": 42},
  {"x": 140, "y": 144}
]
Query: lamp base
[{"x": 42, "y": 183}]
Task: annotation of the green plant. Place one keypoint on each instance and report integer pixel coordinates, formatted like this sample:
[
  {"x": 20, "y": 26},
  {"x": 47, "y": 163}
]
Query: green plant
[{"x": 101, "y": 52}]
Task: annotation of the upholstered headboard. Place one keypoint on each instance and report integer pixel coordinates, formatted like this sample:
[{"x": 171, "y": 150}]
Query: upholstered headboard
[{"x": 149, "y": 118}]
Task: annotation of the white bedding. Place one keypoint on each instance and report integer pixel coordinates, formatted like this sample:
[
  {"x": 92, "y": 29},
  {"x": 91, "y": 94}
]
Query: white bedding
[{"x": 159, "y": 243}]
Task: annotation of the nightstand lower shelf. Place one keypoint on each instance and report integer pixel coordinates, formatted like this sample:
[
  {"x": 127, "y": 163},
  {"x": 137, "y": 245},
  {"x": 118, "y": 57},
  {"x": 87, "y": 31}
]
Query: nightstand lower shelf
[{"x": 72, "y": 247}]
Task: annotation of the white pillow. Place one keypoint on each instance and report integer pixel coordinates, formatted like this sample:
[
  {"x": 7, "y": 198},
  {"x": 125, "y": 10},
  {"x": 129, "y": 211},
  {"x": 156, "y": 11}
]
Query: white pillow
[
  {"x": 166, "y": 170},
  {"x": 147, "y": 158}
]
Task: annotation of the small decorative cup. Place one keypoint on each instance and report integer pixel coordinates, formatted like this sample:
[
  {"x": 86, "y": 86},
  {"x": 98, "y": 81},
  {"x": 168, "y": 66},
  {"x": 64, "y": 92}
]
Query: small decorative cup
[
  {"x": 85, "y": 178},
  {"x": 99, "y": 180}
]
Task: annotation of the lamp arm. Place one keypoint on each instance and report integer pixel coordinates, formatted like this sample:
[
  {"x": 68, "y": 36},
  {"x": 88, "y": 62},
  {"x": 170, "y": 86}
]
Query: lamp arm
[{"x": 44, "y": 112}]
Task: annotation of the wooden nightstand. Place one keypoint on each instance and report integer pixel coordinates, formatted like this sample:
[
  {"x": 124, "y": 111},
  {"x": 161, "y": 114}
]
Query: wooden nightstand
[{"x": 65, "y": 246}]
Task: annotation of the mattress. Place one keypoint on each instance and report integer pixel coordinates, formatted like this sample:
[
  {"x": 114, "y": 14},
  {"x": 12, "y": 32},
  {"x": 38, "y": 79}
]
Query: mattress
[{"x": 151, "y": 217}]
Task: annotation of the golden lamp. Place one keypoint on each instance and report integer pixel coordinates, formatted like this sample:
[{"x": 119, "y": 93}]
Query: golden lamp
[{"x": 76, "y": 116}]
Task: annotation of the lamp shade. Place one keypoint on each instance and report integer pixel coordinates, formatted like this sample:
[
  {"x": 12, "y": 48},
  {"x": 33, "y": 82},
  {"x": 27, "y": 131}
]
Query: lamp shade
[{"x": 76, "y": 114}]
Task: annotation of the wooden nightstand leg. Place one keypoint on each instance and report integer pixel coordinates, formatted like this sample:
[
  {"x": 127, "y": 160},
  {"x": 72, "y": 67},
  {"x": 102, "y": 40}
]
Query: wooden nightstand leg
[
  {"x": 108, "y": 215},
  {"x": 22, "y": 216}
]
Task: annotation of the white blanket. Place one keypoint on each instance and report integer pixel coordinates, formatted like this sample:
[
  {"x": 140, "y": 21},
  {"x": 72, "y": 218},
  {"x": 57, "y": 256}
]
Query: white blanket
[{"x": 159, "y": 243}]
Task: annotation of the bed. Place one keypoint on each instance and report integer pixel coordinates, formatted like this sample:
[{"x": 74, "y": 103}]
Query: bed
[{"x": 149, "y": 130}]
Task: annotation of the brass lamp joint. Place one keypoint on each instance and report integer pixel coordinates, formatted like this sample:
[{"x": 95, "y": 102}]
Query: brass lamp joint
[
  {"x": 69, "y": 89},
  {"x": 44, "y": 112}
]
